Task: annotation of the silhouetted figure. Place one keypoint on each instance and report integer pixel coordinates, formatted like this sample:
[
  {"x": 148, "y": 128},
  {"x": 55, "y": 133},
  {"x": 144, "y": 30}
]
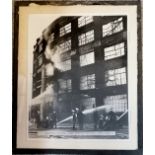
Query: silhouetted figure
[
  {"x": 54, "y": 118},
  {"x": 111, "y": 121},
  {"x": 80, "y": 118},
  {"x": 101, "y": 121},
  {"x": 47, "y": 122},
  {"x": 74, "y": 119},
  {"x": 50, "y": 120},
  {"x": 38, "y": 119},
  {"x": 95, "y": 117}
]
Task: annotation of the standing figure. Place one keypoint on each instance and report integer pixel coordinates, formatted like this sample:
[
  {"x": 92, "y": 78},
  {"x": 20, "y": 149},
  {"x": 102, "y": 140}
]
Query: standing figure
[
  {"x": 51, "y": 120},
  {"x": 95, "y": 117},
  {"x": 101, "y": 122},
  {"x": 38, "y": 122},
  {"x": 80, "y": 117},
  {"x": 47, "y": 122},
  {"x": 54, "y": 117},
  {"x": 74, "y": 119},
  {"x": 111, "y": 121}
]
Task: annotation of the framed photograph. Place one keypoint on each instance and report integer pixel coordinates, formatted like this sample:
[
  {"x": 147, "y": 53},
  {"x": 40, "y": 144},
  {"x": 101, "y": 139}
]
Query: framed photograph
[{"x": 77, "y": 76}]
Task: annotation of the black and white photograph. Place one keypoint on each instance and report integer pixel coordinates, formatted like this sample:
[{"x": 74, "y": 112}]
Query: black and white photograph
[{"x": 77, "y": 81}]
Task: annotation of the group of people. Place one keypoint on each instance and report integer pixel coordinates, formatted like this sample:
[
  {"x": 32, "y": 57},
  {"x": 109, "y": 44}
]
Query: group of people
[
  {"x": 105, "y": 121},
  {"x": 48, "y": 121},
  {"x": 101, "y": 121},
  {"x": 51, "y": 120}
]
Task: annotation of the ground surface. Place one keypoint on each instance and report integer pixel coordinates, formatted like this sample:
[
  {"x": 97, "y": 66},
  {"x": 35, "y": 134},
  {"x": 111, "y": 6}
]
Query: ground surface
[{"x": 68, "y": 132}]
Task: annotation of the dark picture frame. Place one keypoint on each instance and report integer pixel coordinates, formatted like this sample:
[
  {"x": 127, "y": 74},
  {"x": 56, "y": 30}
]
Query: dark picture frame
[{"x": 16, "y": 6}]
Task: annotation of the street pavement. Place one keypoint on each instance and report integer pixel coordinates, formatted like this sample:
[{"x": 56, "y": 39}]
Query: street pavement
[{"x": 69, "y": 133}]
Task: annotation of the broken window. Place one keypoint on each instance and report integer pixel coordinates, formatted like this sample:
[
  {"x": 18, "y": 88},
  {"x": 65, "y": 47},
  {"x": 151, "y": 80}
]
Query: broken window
[
  {"x": 65, "y": 29},
  {"x": 118, "y": 103},
  {"x": 115, "y": 77},
  {"x": 114, "y": 51},
  {"x": 84, "y": 20},
  {"x": 87, "y": 82},
  {"x": 112, "y": 27},
  {"x": 87, "y": 59},
  {"x": 85, "y": 38}
]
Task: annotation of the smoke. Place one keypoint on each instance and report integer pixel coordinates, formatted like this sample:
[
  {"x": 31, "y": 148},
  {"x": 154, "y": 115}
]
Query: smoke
[
  {"x": 54, "y": 55},
  {"x": 50, "y": 69}
]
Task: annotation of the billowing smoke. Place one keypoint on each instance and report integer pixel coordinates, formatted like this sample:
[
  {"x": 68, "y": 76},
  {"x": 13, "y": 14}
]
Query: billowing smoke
[
  {"x": 53, "y": 68},
  {"x": 54, "y": 55}
]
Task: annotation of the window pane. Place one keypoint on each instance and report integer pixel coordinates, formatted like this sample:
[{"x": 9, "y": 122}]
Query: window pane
[
  {"x": 112, "y": 27},
  {"x": 84, "y": 20},
  {"x": 115, "y": 77},
  {"x": 87, "y": 59},
  {"x": 65, "y": 29},
  {"x": 118, "y": 103},
  {"x": 87, "y": 82},
  {"x": 65, "y": 46},
  {"x": 86, "y": 37},
  {"x": 65, "y": 85}
]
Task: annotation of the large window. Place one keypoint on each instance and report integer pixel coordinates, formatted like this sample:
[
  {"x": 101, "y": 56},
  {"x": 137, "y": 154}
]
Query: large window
[
  {"x": 118, "y": 103},
  {"x": 65, "y": 29},
  {"x": 66, "y": 65},
  {"x": 88, "y": 103},
  {"x": 65, "y": 46},
  {"x": 87, "y": 82},
  {"x": 65, "y": 85},
  {"x": 114, "y": 51},
  {"x": 115, "y": 77},
  {"x": 84, "y": 20},
  {"x": 87, "y": 59},
  {"x": 85, "y": 38},
  {"x": 112, "y": 27}
]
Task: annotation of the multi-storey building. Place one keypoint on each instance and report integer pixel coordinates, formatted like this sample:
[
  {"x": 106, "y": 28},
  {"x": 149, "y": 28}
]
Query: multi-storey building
[{"x": 94, "y": 59}]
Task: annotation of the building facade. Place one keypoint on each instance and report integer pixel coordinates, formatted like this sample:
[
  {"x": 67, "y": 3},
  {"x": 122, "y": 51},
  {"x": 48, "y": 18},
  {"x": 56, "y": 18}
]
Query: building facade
[{"x": 93, "y": 67}]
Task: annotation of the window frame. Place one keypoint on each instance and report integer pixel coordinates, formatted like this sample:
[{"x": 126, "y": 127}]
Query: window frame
[
  {"x": 84, "y": 20},
  {"x": 120, "y": 76},
  {"x": 83, "y": 38},
  {"x": 118, "y": 102},
  {"x": 64, "y": 46},
  {"x": 66, "y": 29},
  {"x": 112, "y": 26},
  {"x": 88, "y": 83},
  {"x": 67, "y": 85},
  {"x": 116, "y": 52},
  {"x": 82, "y": 64}
]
